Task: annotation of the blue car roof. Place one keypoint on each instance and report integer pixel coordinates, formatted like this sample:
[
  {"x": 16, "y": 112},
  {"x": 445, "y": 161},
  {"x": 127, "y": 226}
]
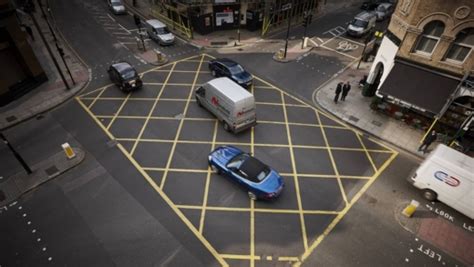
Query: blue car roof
[{"x": 252, "y": 167}]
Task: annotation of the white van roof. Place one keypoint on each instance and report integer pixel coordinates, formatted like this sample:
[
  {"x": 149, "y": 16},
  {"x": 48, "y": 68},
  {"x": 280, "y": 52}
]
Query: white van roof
[
  {"x": 155, "y": 23},
  {"x": 455, "y": 157},
  {"x": 229, "y": 88}
]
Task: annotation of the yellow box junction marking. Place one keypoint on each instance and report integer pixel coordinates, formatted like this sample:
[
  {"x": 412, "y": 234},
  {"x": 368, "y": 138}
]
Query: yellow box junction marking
[{"x": 252, "y": 210}]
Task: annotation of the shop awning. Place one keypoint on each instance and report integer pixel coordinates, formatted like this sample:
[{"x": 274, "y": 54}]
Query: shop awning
[{"x": 417, "y": 86}]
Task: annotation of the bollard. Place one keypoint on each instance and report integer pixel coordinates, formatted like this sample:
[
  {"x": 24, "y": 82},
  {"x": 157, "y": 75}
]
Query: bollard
[
  {"x": 68, "y": 150},
  {"x": 159, "y": 56},
  {"x": 281, "y": 53},
  {"x": 411, "y": 208},
  {"x": 305, "y": 42}
]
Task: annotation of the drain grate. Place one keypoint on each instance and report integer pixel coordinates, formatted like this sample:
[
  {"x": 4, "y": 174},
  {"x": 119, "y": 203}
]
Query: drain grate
[
  {"x": 219, "y": 43},
  {"x": 352, "y": 118},
  {"x": 51, "y": 170},
  {"x": 2, "y": 196},
  {"x": 11, "y": 118},
  {"x": 377, "y": 123}
]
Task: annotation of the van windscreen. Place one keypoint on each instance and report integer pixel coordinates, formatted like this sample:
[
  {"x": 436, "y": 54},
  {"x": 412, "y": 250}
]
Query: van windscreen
[
  {"x": 163, "y": 30},
  {"x": 359, "y": 23}
]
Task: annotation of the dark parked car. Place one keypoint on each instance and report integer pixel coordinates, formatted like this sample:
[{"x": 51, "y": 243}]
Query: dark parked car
[
  {"x": 124, "y": 76},
  {"x": 231, "y": 69},
  {"x": 370, "y": 5},
  {"x": 260, "y": 181}
]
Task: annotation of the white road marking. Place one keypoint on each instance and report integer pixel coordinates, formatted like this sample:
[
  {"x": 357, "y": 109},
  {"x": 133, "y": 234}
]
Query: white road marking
[
  {"x": 123, "y": 27},
  {"x": 38, "y": 239},
  {"x": 33, "y": 231},
  {"x": 110, "y": 17}
]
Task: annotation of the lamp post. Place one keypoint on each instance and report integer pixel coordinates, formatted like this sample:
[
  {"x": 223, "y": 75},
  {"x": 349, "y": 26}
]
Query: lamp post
[
  {"x": 287, "y": 7},
  {"x": 17, "y": 156}
]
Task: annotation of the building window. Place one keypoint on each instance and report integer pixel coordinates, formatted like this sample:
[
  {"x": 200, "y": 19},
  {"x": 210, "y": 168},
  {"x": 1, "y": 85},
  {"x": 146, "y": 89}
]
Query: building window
[
  {"x": 463, "y": 44},
  {"x": 430, "y": 37}
]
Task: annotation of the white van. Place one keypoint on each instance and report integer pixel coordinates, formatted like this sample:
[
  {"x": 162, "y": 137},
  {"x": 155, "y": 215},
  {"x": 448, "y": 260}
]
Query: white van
[
  {"x": 229, "y": 102},
  {"x": 362, "y": 23},
  {"x": 448, "y": 176},
  {"x": 158, "y": 32}
]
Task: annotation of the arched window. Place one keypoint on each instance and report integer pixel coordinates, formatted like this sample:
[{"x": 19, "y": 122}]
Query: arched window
[
  {"x": 430, "y": 37},
  {"x": 462, "y": 45}
]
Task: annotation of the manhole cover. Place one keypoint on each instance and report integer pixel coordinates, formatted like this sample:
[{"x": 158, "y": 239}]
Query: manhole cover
[
  {"x": 51, "y": 171},
  {"x": 352, "y": 118},
  {"x": 2, "y": 196},
  {"x": 11, "y": 118}
]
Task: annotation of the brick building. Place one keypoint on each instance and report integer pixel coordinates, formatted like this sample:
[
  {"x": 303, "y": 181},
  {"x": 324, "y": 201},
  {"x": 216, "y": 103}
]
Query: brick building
[{"x": 422, "y": 73}]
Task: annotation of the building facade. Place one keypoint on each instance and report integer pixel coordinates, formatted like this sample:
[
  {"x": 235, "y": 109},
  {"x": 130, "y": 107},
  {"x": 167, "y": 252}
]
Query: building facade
[
  {"x": 21, "y": 71},
  {"x": 423, "y": 71},
  {"x": 206, "y": 16}
]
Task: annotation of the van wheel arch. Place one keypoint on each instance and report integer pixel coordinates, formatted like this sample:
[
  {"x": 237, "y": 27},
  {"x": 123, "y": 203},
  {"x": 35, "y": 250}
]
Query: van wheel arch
[{"x": 430, "y": 195}]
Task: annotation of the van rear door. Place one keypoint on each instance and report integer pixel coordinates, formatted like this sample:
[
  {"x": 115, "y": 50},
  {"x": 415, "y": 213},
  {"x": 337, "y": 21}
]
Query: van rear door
[{"x": 244, "y": 111}]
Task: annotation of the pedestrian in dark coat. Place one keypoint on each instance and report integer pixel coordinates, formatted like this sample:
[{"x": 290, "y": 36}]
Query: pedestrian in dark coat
[
  {"x": 338, "y": 91},
  {"x": 345, "y": 90},
  {"x": 427, "y": 142}
]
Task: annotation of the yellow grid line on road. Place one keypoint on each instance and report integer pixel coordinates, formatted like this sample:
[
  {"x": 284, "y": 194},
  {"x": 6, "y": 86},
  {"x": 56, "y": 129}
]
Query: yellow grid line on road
[
  {"x": 208, "y": 181},
  {"x": 367, "y": 153},
  {"x": 136, "y": 99},
  {"x": 165, "y": 174},
  {"x": 333, "y": 162},
  {"x": 336, "y": 220},
  {"x": 170, "y": 84},
  {"x": 183, "y": 71},
  {"x": 306, "y": 252},
  {"x": 246, "y": 144},
  {"x": 295, "y": 175},
  {"x": 306, "y": 175},
  {"x": 142, "y": 130},
  {"x": 239, "y": 257},
  {"x": 118, "y": 111},
  {"x": 259, "y": 210},
  {"x": 97, "y": 97},
  {"x": 152, "y": 183}
]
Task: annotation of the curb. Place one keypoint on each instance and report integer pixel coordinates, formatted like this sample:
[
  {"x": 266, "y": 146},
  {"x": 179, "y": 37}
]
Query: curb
[{"x": 39, "y": 175}]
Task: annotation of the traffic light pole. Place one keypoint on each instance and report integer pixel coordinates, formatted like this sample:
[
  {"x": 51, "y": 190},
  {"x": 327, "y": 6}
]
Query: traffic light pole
[{"x": 288, "y": 30}]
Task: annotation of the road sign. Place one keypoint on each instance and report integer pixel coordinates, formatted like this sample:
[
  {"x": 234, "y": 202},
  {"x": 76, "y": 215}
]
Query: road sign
[{"x": 286, "y": 7}]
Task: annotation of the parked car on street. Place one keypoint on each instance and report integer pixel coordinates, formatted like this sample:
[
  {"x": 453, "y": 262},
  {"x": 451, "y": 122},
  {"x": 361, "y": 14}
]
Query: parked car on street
[
  {"x": 124, "y": 76},
  {"x": 226, "y": 67},
  {"x": 362, "y": 24},
  {"x": 260, "y": 181},
  {"x": 158, "y": 32},
  {"x": 117, "y": 7},
  {"x": 384, "y": 10}
]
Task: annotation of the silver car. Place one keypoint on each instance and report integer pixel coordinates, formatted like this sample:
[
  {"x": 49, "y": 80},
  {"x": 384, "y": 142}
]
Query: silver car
[
  {"x": 117, "y": 7},
  {"x": 384, "y": 11}
]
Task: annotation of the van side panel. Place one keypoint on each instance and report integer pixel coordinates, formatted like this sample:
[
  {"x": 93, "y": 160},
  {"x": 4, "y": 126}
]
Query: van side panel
[{"x": 448, "y": 176}]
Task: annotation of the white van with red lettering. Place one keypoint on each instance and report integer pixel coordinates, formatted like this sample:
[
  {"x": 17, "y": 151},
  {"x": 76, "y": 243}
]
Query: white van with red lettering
[
  {"x": 229, "y": 102},
  {"x": 447, "y": 175}
]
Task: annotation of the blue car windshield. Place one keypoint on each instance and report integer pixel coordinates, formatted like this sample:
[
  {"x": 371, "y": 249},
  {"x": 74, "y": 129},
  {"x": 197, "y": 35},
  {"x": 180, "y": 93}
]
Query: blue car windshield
[
  {"x": 236, "y": 69},
  {"x": 237, "y": 161}
]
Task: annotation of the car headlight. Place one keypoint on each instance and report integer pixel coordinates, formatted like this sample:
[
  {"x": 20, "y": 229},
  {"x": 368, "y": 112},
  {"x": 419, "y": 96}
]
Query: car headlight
[{"x": 209, "y": 158}]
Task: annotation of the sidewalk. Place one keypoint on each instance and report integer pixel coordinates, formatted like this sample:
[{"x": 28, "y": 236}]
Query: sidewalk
[
  {"x": 357, "y": 112},
  {"x": 53, "y": 92}
]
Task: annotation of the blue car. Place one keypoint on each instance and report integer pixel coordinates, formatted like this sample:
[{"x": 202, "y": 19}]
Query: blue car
[
  {"x": 224, "y": 67},
  {"x": 260, "y": 181}
]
